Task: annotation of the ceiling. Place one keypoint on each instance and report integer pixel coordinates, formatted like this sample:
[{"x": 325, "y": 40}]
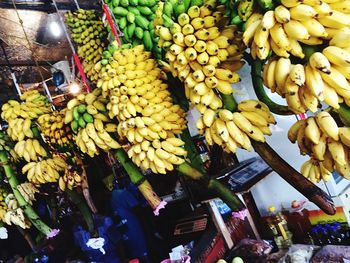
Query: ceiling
[{"x": 47, "y": 49}]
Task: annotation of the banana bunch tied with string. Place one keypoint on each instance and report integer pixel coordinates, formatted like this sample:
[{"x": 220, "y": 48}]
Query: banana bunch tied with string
[
  {"x": 232, "y": 130},
  {"x": 202, "y": 56},
  {"x": 44, "y": 171},
  {"x": 6, "y": 144},
  {"x": 89, "y": 33},
  {"x": 141, "y": 102},
  {"x": 28, "y": 191},
  {"x": 70, "y": 179},
  {"x": 293, "y": 23},
  {"x": 20, "y": 115},
  {"x": 55, "y": 131},
  {"x": 88, "y": 117},
  {"x": 324, "y": 79},
  {"x": 30, "y": 150},
  {"x": 327, "y": 144},
  {"x": 15, "y": 214}
]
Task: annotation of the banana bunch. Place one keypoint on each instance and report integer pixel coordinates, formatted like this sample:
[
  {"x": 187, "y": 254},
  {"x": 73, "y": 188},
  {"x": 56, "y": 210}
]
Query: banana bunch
[
  {"x": 28, "y": 191},
  {"x": 70, "y": 179},
  {"x": 89, "y": 34},
  {"x": 3, "y": 206},
  {"x": 293, "y": 23},
  {"x": 55, "y": 131},
  {"x": 30, "y": 150},
  {"x": 232, "y": 130},
  {"x": 87, "y": 115},
  {"x": 141, "y": 102},
  {"x": 135, "y": 19},
  {"x": 201, "y": 55},
  {"x": 44, "y": 171},
  {"x": 6, "y": 144},
  {"x": 324, "y": 78},
  {"x": 326, "y": 143},
  {"x": 15, "y": 214}
]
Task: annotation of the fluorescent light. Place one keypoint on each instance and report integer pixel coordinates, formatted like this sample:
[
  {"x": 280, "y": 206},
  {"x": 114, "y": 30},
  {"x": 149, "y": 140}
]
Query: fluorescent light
[
  {"x": 74, "y": 88},
  {"x": 55, "y": 29}
]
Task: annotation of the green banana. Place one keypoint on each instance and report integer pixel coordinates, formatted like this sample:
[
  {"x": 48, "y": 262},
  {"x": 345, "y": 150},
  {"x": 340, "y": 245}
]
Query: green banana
[{"x": 245, "y": 9}]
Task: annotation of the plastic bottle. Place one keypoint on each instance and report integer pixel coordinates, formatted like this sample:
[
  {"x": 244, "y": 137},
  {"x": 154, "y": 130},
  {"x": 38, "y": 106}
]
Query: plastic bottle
[{"x": 278, "y": 226}]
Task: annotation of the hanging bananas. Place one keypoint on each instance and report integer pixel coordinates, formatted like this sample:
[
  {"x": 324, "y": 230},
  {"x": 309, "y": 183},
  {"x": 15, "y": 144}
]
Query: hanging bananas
[
  {"x": 7, "y": 145},
  {"x": 141, "y": 102},
  {"x": 44, "y": 171},
  {"x": 89, "y": 34},
  {"x": 326, "y": 143},
  {"x": 14, "y": 214},
  {"x": 30, "y": 150},
  {"x": 88, "y": 118},
  {"x": 234, "y": 130},
  {"x": 55, "y": 131},
  {"x": 28, "y": 191}
]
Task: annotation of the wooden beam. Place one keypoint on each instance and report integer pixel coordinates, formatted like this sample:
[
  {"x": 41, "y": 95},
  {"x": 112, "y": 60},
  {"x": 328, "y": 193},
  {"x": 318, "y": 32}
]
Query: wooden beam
[
  {"x": 29, "y": 63},
  {"x": 47, "y": 7}
]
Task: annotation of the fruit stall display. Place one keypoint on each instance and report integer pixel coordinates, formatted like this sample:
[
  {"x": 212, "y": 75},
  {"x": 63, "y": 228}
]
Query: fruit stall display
[{"x": 176, "y": 53}]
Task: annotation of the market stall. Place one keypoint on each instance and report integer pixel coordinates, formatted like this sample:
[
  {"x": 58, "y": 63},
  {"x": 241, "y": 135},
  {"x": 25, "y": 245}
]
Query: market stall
[{"x": 157, "y": 131}]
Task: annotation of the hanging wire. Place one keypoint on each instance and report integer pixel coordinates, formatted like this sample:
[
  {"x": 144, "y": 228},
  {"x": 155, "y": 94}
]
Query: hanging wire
[{"x": 77, "y": 4}]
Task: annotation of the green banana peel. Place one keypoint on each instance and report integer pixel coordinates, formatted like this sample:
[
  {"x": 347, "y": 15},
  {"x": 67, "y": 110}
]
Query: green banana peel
[
  {"x": 261, "y": 93},
  {"x": 344, "y": 114},
  {"x": 294, "y": 178},
  {"x": 28, "y": 209}
]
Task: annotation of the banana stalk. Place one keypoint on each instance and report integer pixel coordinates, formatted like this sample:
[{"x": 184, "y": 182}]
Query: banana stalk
[
  {"x": 229, "y": 102},
  {"x": 294, "y": 178},
  {"x": 83, "y": 208},
  {"x": 344, "y": 114},
  {"x": 261, "y": 93},
  {"x": 221, "y": 190},
  {"x": 85, "y": 185},
  {"x": 28, "y": 209},
  {"x": 138, "y": 179},
  {"x": 192, "y": 152}
]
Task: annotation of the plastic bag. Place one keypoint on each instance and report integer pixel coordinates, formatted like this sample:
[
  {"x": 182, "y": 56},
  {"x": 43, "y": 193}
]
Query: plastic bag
[
  {"x": 299, "y": 254},
  {"x": 332, "y": 254},
  {"x": 251, "y": 248}
]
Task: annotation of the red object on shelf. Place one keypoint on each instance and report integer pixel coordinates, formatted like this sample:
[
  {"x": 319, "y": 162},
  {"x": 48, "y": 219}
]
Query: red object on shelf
[
  {"x": 135, "y": 260},
  {"x": 111, "y": 23},
  {"x": 81, "y": 71}
]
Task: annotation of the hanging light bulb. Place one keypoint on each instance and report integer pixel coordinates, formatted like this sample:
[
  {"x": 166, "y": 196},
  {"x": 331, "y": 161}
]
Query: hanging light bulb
[
  {"x": 54, "y": 26},
  {"x": 74, "y": 87}
]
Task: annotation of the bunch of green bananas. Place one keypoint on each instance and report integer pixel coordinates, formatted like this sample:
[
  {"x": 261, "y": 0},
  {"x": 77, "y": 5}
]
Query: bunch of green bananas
[
  {"x": 44, "y": 171},
  {"x": 56, "y": 132},
  {"x": 88, "y": 117},
  {"x": 135, "y": 19},
  {"x": 326, "y": 144},
  {"x": 233, "y": 130},
  {"x": 28, "y": 191},
  {"x": 89, "y": 33},
  {"x": 291, "y": 24},
  {"x": 30, "y": 150},
  {"x": 15, "y": 214},
  {"x": 324, "y": 79},
  {"x": 147, "y": 117},
  {"x": 7, "y": 144}
]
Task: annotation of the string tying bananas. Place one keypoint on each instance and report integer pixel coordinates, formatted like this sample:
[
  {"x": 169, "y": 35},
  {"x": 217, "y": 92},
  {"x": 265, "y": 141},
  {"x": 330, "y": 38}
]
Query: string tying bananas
[
  {"x": 325, "y": 78},
  {"x": 327, "y": 144},
  {"x": 55, "y": 131},
  {"x": 15, "y": 214},
  {"x": 143, "y": 106},
  {"x": 293, "y": 23},
  {"x": 88, "y": 117},
  {"x": 44, "y": 171},
  {"x": 234, "y": 130},
  {"x": 30, "y": 150},
  {"x": 88, "y": 33}
]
